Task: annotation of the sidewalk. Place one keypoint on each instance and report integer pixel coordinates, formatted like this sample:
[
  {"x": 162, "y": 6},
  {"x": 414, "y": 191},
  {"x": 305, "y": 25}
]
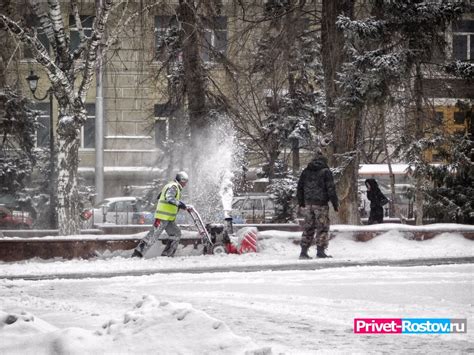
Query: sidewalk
[{"x": 16, "y": 248}]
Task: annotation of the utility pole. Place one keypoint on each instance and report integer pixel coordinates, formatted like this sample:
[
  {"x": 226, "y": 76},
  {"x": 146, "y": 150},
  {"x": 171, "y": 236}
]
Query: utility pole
[{"x": 99, "y": 125}]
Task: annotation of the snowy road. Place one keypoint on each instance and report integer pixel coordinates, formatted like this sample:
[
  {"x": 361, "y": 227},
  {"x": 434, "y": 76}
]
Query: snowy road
[
  {"x": 316, "y": 264},
  {"x": 290, "y": 311},
  {"x": 308, "y": 310}
]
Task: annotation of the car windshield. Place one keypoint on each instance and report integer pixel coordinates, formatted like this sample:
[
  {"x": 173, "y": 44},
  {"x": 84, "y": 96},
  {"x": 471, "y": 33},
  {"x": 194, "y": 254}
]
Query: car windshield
[
  {"x": 237, "y": 204},
  {"x": 144, "y": 206},
  {"x": 102, "y": 203}
]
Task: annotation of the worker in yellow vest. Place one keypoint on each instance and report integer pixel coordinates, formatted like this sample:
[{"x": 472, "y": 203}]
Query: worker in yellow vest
[{"x": 169, "y": 203}]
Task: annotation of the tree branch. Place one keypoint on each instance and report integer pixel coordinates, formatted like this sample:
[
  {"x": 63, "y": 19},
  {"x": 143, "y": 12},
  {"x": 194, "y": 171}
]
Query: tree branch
[
  {"x": 55, "y": 74},
  {"x": 60, "y": 35}
]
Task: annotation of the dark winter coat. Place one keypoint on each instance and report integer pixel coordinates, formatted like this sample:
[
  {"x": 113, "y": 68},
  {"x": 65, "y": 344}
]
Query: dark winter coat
[
  {"x": 374, "y": 195},
  {"x": 316, "y": 185},
  {"x": 376, "y": 198}
]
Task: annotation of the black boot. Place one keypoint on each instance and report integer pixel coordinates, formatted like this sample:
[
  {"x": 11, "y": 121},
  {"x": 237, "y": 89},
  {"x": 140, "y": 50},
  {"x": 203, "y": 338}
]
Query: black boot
[
  {"x": 167, "y": 248},
  {"x": 304, "y": 254},
  {"x": 171, "y": 247},
  {"x": 321, "y": 253},
  {"x": 137, "y": 254}
]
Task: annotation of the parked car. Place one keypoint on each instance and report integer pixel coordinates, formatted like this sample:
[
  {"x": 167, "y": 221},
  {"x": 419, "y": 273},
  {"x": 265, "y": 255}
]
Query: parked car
[
  {"x": 14, "y": 219},
  {"x": 120, "y": 210},
  {"x": 255, "y": 208}
]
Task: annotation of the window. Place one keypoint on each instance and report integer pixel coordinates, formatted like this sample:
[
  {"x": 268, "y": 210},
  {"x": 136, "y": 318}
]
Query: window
[
  {"x": 237, "y": 204},
  {"x": 163, "y": 113},
  {"x": 459, "y": 117},
  {"x": 460, "y": 44},
  {"x": 257, "y": 204},
  {"x": 34, "y": 23},
  {"x": 124, "y": 206},
  {"x": 248, "y": 205},
  {"x": 215, "y": 38},
  {"x": 88, "y": 130},
  {"x": 269, "y": 205},
  {"x": 86, "y": 22},
  {"x": 112, "y": 207},
  {"x": 252, "y": 204},
  {"x": 166, "y": 36},
  {"x": 43, "y": 127},
  {"x": 439, "y": 117},
  {"x": 463, "y": 40}
]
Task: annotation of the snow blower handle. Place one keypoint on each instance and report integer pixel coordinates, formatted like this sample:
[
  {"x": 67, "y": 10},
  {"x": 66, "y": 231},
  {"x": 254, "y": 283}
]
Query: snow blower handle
[{"x": 206, "y": 238}]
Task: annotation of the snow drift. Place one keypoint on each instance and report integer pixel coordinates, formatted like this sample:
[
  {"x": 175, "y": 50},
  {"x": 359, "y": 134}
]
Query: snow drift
[{"x": 150, "y": 327}]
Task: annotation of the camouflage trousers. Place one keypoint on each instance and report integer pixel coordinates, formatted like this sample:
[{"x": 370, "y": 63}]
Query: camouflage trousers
[{"x": 316, "y": 221}]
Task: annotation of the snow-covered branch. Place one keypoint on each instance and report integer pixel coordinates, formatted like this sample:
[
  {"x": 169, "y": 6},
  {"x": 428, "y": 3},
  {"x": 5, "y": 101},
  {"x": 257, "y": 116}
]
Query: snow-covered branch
[
  {"x": 45, "y": 22},
  {"x": 55, "y": 74},
  {"x": 58, "y": 28},
  {"x": 93, "y": 44}
]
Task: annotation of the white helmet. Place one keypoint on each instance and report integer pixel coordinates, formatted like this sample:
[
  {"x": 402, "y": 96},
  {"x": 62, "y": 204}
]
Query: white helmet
[{"x": 182, "y": 177}]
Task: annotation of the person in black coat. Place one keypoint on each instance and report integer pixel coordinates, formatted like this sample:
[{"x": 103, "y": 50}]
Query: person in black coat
[
  {"x": 315, "y": 189},
  {"x": 377, "y": 201}
]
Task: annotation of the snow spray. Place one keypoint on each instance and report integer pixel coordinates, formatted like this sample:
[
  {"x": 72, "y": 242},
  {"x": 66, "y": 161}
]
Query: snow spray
[{"x": 212, "y": 187}]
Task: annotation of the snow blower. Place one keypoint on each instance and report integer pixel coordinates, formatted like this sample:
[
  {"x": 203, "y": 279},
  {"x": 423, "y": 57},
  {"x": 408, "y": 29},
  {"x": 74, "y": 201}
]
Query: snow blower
[{"x": 218, "y": 238}]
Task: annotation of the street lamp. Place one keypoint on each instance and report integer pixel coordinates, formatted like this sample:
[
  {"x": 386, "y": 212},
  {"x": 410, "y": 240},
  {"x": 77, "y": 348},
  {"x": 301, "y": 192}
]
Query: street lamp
[{"x": 32, "y": 80}]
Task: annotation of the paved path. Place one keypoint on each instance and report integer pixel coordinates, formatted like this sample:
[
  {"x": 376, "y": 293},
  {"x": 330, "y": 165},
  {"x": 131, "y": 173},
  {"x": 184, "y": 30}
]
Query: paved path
[{"x": 306, "y": 265}]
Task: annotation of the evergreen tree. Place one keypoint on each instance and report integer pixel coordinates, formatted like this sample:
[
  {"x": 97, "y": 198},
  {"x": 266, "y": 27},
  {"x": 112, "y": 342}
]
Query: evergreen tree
[
  {"x": 17, "y": 130},
  {"x": 275, "y": 103},
  {"x": 395, "y": 48}
]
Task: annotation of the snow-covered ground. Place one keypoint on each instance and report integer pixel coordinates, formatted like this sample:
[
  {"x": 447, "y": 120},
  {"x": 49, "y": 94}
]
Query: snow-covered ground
[{"x": 291, "y": 312}]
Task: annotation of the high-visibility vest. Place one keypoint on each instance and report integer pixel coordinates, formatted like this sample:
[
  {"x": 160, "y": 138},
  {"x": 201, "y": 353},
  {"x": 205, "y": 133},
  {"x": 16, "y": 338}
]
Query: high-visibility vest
[{"x": 164, "y": 210}]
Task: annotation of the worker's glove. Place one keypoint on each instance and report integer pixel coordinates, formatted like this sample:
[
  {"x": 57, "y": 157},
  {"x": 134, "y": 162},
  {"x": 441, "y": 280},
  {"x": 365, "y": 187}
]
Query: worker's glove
[
  {"x": 157, "y": 223},
  {"x": 181, "y": 205},
  {"x": 336, "y": 208},
  {"x": 189, "y": 208}
]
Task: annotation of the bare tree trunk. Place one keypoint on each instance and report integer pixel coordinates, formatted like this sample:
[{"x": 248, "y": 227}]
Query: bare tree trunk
[
  {"x": 343, "y": 125},
  {"x": 332, "y": 41},
  {"x": 291, "y": 27},
  {"x": 195, "y": 92},
  {"x": 419, "y": 198},
  {"x": 194, "y": 75},
  {"x": 345, "y": 148},
  {"x": 274, "y": 154},
  {"x": 68, "y": 199},
  {"x": 394, "y": 210}
]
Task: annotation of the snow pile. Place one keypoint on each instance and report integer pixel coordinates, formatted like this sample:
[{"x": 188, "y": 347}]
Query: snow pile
[{"x": 151, "y": 327}]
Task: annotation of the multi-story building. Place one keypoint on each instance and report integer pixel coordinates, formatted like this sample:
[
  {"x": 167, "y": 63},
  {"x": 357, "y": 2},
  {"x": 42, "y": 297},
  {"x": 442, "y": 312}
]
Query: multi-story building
[
  {"x": 136, "y": 106},
  {"x": 446, "y": 92}
]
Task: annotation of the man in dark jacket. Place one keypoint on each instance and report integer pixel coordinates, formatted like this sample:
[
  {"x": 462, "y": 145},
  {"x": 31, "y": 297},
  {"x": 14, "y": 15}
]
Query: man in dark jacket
[{"x": 315, "y": 189}]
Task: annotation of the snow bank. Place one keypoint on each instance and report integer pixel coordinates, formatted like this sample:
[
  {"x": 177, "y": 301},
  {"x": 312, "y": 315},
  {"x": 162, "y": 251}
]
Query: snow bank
[
  {"x": 276, "y": 248},
  {"x": 151, "y": 327}
]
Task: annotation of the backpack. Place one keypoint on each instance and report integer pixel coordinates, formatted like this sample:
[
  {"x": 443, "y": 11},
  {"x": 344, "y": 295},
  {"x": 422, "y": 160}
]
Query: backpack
[{"x": 383, "y": 200}]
